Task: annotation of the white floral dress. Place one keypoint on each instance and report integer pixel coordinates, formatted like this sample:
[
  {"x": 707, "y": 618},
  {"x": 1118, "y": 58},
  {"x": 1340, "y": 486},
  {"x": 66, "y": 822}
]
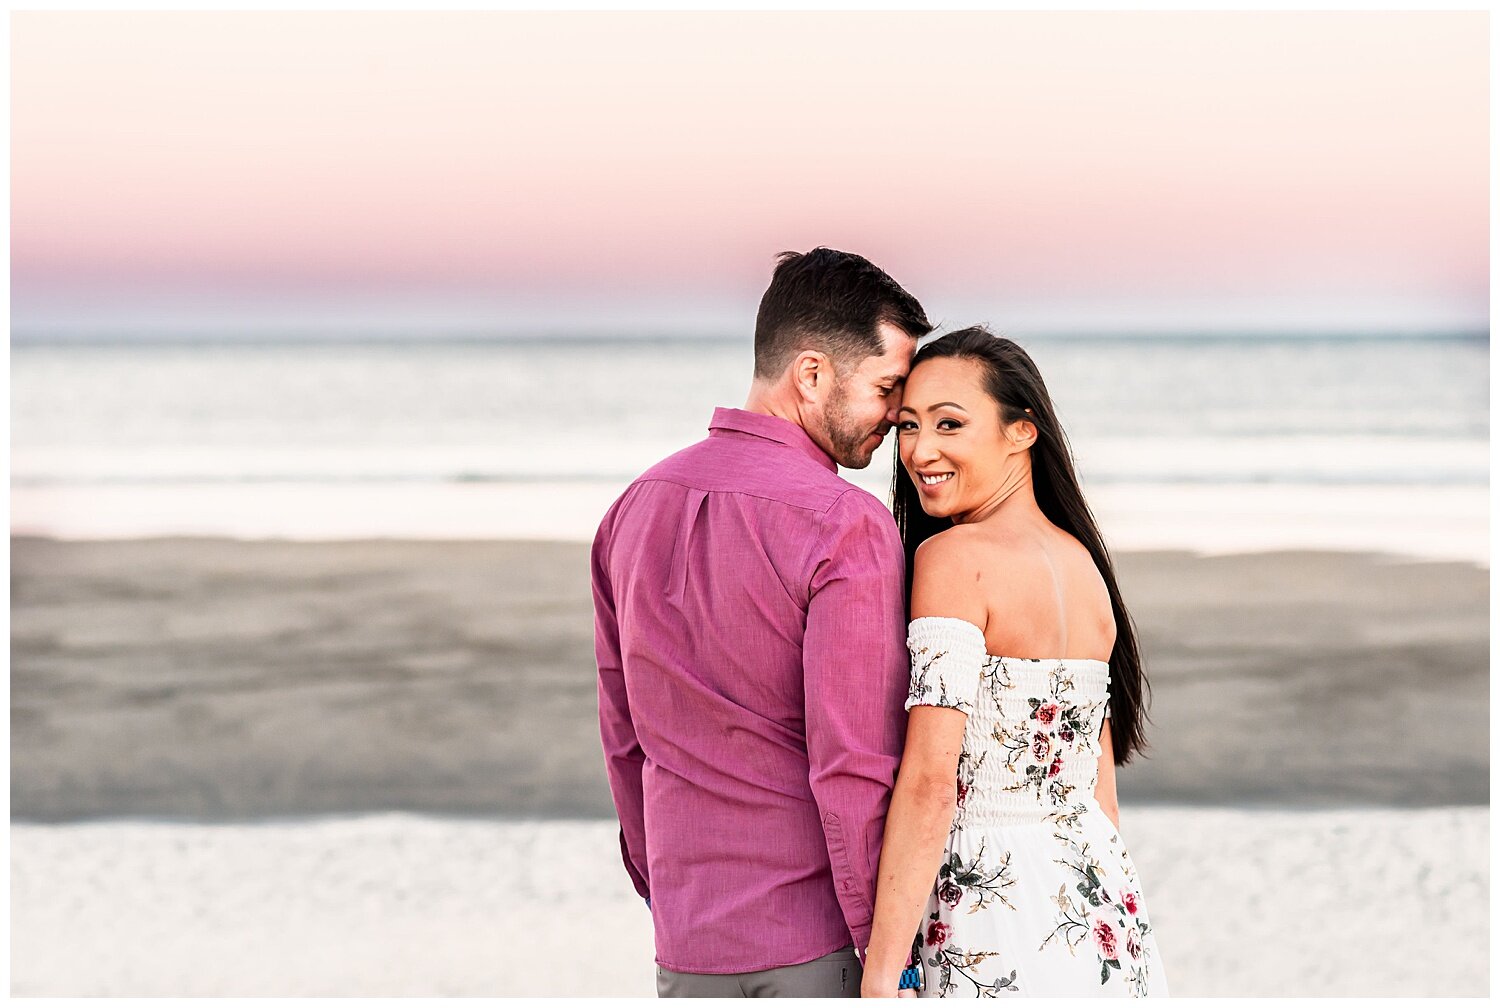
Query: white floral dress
[{"x": 1037, "y": 894}]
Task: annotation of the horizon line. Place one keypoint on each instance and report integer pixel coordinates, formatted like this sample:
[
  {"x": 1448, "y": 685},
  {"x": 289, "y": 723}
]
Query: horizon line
[{"x": 347, "y": 334}]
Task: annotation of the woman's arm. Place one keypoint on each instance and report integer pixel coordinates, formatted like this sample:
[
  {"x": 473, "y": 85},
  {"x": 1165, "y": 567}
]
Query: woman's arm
[
  {"x": 926, "y": 793},
  {"x": 1104, "y": 790},
  {"x": 916, "y": 832}
]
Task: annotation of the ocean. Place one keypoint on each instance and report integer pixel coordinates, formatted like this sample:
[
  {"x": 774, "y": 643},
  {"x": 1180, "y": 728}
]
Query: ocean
[{"x": 533, "y": 438}]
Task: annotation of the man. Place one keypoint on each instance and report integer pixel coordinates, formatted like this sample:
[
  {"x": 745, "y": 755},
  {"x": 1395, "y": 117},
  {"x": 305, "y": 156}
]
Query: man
[{"x": 750, "y": 635}]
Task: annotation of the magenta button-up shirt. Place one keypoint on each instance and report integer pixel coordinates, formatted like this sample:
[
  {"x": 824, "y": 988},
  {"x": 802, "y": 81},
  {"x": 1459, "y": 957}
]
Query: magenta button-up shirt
[{"x": 750, "y": 634}]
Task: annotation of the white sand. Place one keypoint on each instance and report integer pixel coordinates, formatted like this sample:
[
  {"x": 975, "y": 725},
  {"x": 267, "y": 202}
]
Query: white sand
[{"x": 1349, "y": 902}]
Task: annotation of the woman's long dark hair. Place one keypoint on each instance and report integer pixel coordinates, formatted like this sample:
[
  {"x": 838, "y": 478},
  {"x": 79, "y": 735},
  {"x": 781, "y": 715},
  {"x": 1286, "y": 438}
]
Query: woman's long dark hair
[{"x": 1013, "y": 381}]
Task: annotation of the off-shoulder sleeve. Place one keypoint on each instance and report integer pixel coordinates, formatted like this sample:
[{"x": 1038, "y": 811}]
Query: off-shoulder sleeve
[{"x": 947, "y": 655}]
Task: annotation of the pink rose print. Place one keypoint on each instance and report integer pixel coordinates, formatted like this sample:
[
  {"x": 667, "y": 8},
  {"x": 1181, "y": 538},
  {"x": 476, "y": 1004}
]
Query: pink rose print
[
  {"x": 950, "y": 894},
  {"x": 1127, "y": 899},
  {"x": 1133, "y": 943},
  {"x": 937, "y": 933},
  {"x": 1041, "y": 745},
  {"x": 1104, "y": 937},
  {"x": 1046, "y": 713},
  {"x": 1056, "y": 767}
]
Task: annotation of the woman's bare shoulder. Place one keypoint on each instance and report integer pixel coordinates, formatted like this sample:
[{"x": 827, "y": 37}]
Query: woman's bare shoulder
[
  {"x": 944, "y": 571},
  {"x": 969, "y": 567}
]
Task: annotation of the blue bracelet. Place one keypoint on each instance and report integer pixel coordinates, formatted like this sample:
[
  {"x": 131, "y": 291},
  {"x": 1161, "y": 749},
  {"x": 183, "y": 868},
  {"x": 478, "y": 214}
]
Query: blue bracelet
[{"x": 911, "y": 979}]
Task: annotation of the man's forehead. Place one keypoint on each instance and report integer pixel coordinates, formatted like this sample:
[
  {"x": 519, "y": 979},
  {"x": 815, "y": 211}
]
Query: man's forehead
[
  {"x": 892, "y": 367},
  {"x": 899, "y": 345},
  {"x": 894, "y": 363}
]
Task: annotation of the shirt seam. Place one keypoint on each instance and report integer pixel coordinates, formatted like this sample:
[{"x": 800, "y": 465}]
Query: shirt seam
[
  {"x": 747, "y": 493},
  {"x": 819, "y": 547}
]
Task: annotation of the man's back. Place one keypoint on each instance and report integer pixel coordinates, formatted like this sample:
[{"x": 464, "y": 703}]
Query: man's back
[{"x": 750, "y": 630}]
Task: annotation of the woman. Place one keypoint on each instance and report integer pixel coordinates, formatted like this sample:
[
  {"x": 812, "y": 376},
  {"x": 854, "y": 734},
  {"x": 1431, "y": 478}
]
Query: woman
[{"x": 1016, "y": 880}]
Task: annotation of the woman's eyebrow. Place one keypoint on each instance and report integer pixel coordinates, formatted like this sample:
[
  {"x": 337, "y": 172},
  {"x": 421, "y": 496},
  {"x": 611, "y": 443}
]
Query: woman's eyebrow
[{"x": 908, "y": 409}]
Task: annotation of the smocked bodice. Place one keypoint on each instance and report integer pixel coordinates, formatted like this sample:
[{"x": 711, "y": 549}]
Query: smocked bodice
[{"x": 1031, "y": 744}]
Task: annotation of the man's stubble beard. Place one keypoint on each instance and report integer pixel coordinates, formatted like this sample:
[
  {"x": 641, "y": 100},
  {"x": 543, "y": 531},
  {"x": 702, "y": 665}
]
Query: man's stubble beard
[{"x": 845, "y": 440}]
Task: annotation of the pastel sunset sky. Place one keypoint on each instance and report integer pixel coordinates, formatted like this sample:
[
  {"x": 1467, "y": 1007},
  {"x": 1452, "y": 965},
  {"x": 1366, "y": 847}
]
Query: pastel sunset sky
[{"x": 638, "y": 172}]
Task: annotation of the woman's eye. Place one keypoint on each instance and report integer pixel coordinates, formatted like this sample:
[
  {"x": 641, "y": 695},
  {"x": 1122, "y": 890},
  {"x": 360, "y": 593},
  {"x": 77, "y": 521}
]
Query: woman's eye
[
  {"x": 955, "y": 423},
  {"x": 906, "y": 425}
]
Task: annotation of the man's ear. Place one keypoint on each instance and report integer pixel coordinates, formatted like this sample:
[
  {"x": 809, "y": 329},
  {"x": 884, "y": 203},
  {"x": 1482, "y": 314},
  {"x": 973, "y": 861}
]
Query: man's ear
[{"x": 812, "y": 374}]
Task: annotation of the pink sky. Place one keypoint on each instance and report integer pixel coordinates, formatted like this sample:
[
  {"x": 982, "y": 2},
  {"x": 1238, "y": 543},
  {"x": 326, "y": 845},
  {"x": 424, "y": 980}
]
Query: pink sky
[{"x": 598, "y": 169}]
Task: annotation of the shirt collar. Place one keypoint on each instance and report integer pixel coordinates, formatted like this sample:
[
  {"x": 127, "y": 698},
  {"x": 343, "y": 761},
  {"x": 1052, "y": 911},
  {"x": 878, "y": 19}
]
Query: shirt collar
[{"x": 772, "y": 428}]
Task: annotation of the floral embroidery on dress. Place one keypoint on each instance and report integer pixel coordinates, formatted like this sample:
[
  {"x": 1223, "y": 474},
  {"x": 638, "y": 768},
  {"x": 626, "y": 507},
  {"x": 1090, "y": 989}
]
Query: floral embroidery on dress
[
  {"x": 921, "y": 689},
  {"x": 1015, "y": 740},
  {"x": 1069, "y": 818},
  {"x": 968, "y": 770},
  {"x": 1112, "y": 924},
  {"x": 957, "y": 876},
  {"x": 1040, "y": 777},
  {"x": 995, "y": 679},
  {"x": 950, "y": 959}
]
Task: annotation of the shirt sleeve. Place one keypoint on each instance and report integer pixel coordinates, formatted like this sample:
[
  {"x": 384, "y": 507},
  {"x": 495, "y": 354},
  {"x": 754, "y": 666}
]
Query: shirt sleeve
[
  {"x": 854, "y": 676},
  {"x": 623, "y": 757},
  {"x": 947, "y": 656}
]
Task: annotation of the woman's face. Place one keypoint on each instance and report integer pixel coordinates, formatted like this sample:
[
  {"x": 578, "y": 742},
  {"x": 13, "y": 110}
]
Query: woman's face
[{"x": 950, "y": 438}]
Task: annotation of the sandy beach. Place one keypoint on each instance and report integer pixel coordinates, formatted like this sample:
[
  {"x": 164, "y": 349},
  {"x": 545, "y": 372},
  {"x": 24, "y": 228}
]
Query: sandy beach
[
  {"x": 373, "y": 768},
  {"x": 1347, "y": 902},
  {"x": 217, "y": 679}
]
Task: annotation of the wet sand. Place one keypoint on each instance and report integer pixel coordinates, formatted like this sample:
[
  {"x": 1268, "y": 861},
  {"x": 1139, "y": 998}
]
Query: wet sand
[{"x": 218, "y": 679}]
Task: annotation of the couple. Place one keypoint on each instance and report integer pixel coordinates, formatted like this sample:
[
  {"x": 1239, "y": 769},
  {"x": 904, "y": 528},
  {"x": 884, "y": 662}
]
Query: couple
[{"x": 828, "y": 731}]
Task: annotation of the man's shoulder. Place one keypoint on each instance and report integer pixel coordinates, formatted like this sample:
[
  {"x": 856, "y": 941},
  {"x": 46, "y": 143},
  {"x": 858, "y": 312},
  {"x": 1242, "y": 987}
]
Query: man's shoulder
[
  {"x": 681, "y": 461},
  {"x": 856, "y": 505},
  {"x": 860, "y": 516}
]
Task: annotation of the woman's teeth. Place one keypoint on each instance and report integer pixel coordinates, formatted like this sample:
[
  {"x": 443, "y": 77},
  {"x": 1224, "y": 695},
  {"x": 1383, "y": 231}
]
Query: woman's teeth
[{"x": 933, "y": 480}]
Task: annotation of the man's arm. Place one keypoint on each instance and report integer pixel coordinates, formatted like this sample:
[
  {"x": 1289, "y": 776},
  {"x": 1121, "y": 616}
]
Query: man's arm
[
  {"x": 622, "y": 750},
  {"x": 855, "y": 673}
]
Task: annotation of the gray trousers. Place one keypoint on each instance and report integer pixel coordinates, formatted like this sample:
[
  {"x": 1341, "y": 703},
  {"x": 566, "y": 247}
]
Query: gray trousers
[{"x": 837, "y": 974}]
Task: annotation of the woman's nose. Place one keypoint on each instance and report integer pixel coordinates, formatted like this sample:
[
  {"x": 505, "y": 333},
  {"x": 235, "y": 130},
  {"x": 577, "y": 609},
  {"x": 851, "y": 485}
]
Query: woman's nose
[{"x": 924, "y": 449}]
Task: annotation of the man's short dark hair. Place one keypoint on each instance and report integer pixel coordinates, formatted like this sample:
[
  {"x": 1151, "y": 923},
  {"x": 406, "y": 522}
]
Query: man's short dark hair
[{"x": 832, "y": 302}]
